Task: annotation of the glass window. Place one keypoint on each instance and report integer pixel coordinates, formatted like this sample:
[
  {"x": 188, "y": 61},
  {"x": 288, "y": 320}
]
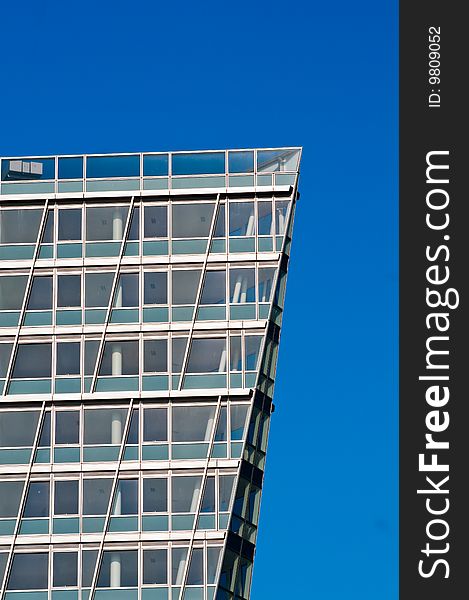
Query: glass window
[
  {"x": 71, "y": 167},
  {"x": 241, "y": 161},
  {"x": 44, "y": 438},
  {"x": 10, "y": 496},
  {"x": 192, "y": 220},
  {"x": 155, "y": 224},
  {"x": 195, "y": 575},
  {"x": 221, "y": 434},
  {"x": 68, "y": 358},
  {"x": 178, "y": 565},
  {"x": 226, "y": 483},
  {"x": 88, "y": 565},
  {"x": 155, "y": 495},
  {"x": 185, "y": 286},
  {"x": 207, "y": 355},
  {"x": 5, "y": 353},
  {"x": 193, "y": 423},
  {"x": 104, "y": 425},
  {"x": 21, "y": 169},
  {"x": 220, "y": 226},
  {"x": 98, "y": 289},
  {"x": 105, "y": 222},
  {"x": 155, "y": 165},
  {"x": 18, "y": 429},
  {"x": 238, "y": 420},
  {"x": 19, "y": 226},
  {"x": 266, "y": 280},
  {"x": 264, "y": 226},
  {"x": 29, "y": 571},
  {"x": 69, "y": 224},
  {"x": 113, "y": 166},
  {"x": 33, "y": 360},
  {"x": 126, "y": 497},
  {"x": 69, "y": 290},
  {"x": 155, "y": 567},
  {"x": 155, "y": 356},
  {"x": 277, "y": 160},
  {"x": 155, "y": 425},
  {"x": 96, "y": 495},
  {"x": 242, "y": 286},
  {"x": 198, "y": 163},
  {"x": 208, "y": 502},
  {"x": 120, "y": 358},
  {"x": 126, "y": 294},
  {"x": 48, "y": 234},
  {"x": 236, "y": 363},
  {"x": 281, "y": 210},
  {"x": 253, "y": 344},
  {"x": 65, "y": 569},
  {"x": 134, "y": 229},
  {"x": 133, "y": 434},
  {"x": 126, "y": 575},
  {"x": 155, "y": 288},
  {"x": 67, "y": 427},
  {"x": 214, "y": 290},
  {"x": 185, "y": 493},
  {"x": 91, "y": 353},
  {"x": 37, "y": 500},
  {"x": 66, "y": 497},
  {"x": 12, "y": 291},
  {"x": 179, "y": 348},
  {"x": 213, "y": 558},
  {"x": 40, "y": 297},
  {"x": 242, "y": 219}
]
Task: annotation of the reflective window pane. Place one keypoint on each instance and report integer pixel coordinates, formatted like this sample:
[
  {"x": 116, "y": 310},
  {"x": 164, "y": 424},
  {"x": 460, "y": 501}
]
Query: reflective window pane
[
  {"x": 266, "y": 280},
  {"x": 185, "y": 286},
  {"x": 123, "y": 575},
  {"x": 242, "y": 221},
  {"x": 105, "y": 222},
  {"x": 67, "y": 427},
  {"x": 71, "y": 167},
  {"x": 66, "y": 497},
  {"x": 236, "y": 363},
  {"x": 68, "y": 358},
  {"x": 69, "y": 224},
  {"x": 155, "y": 356},
  {"x": 5, "y": 353},
  {"x": 98, "y": 289},
  {"x": 48, "y": 234},
  {"x": 155, "y": 288},
  {"x": 10, "y": 496},
  {"x": 155, "y": 224},
  {"x": 242, "y": 286},
  {"x": 19, "y": 226},
  {"x": 208, "y": 502},
  {"x": 33, "y": 360},
  {"x": 253, "y": 344},
  {"x": 155, "y": 495},
  {"x": 178, "y": 349},
  {"x": 155, "y": 567},
  {"x": 104, "y": 425},
  {"x": 198, "y": 163},
  {"x": 226, "y": 483},
  {"x": 113, "y": 166},
  {"x": 241, "y": 161},
  {"x": 65, "y": 569},
  {"x": 126, "y": 497},
  {"x": 37, "y": 500},
  {"x": 195, "y": 574},
  {"x": 68, "y": 291},
  {"x": 26, "y": 169},
  {"x": 155, "y": 425},
  {"x": 96, "y": 495},
  {"x": 126, "y": 294},
  {"x": 44, "y": 438},
  {"x": 91, "y": 353},
  {"x": 264, "y": 223},
  {"x": 134, "y": 229},
  {"x": 213, "y": 558},
  {"x": 29, "y": 571},
  {"x": 12, "y": 290},
  {"x": 40, "y": 297},
  {"x": 214, "y": 291},
  {"x": 18, "y": 429},
  {"x": 193, "y": 423},
  {"x": 120, "y": 358},
  {"x": 155, "y": 165},
  {"x": 277, "y": 160},
  {"x": 281, "y": 210},
  {"x": 238, "y": 420},
  {"x": 178, "y": 565},
  {"x": 207, "y": 355},
  {"x": 192, "y": 220},
  {"x": 185, "y": 493}
]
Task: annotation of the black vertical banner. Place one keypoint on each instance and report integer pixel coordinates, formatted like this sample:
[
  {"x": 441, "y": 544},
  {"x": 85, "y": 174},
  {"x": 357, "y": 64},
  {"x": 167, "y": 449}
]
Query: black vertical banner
[{"x": 434, "y": 306}]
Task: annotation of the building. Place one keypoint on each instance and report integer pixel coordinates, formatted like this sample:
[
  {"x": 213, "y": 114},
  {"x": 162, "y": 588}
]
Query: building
[{"x": 141, "y": 298}]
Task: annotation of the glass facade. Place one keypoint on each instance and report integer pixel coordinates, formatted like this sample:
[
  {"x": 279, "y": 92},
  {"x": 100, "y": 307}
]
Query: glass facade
[{"x": 141, "y": 300}]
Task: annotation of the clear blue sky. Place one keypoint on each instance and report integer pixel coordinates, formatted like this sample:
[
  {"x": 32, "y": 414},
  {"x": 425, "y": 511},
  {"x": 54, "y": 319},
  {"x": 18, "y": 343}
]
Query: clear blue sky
[{"x": 148, "y": 75}]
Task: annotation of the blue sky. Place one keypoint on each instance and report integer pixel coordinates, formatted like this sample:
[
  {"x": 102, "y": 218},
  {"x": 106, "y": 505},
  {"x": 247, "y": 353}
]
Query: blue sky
[{"x": 143, "y": 75}]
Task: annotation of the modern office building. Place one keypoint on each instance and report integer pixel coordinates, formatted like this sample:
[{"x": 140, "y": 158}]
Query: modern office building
[{"x": 141, "y": 299}]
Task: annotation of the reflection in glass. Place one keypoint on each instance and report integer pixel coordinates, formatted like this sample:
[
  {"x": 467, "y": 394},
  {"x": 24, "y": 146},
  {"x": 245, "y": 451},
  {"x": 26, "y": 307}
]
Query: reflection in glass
[
  {"x": 126, "y": 294},
  {"x": 242, "y": 221},
  {"x": 236, "y": 363},
  {"x": 48, "y": 234},
  {"x": 10, "y": 496},
  {"x": 68, "y": 358},
  {"x": 67, "y": 427},
  {"x": 113, "y": 166},
  {"x": 19, "y": 226},
  {"x": 155, "y": 165},
  {"x": 195, "y": 575},
  {"x": 179, "y": 348},
  {"x": 105, "y": 222},
  {"x": 120, "y": 358},
  {"x": 40, "y": 296},
  {"x": 214, "y": 291},
  {"x": 5, "y": 353},
  {"x": 69, "y": 224},
  {"x": 198, "y": 163},
  {"x": 71, "y": 167},
  {"x": 207, "y": 355},
  {"x": 178, "y": 565},
  {"x": 193, "y": 423},
  {"x": 33, "y": 360},
  {"x": 265, "y": 222},
  {"x": 98, "y": 289},
  {"x": 155, "y": 425},
  {"x": 155, "y": 566},
  {"x": 37, "y": 500},
  {"x": 277, "y": 160},
  {"x": 185, "y": 286},
  {"x": 104, "y": 425},
  {"x": 192, "y": 220},
  {"x": 185, "y": 493},
  {"x": 155, "y": 495},
  {"x": 253, "y": 344},
  {"x": 155, "y": 356},
  {"x": 126, "y": 497},
  {"x": 281, "y": 210},
  {"x": 119, "y": 568},
  {"x": 241, "y": 161},
  {"x": 242, "y": 286},
  {"x": 26, "y": 169},
  {"x": 18, "y": 429},
  {"x": 266, "y": 280},
  {"x": 96, "y": 495}
]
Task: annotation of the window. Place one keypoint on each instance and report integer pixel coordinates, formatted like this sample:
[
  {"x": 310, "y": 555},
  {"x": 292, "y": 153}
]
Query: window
[
  {"x": 214, "y": 288},
  {"x": 10, "y": 496},
  {"x": 207, "y": 355},
  {"x": 18, "y": 429},
  {"x": 68, "y": 358},
  {"x": 213, "y": 558},
  {"x": 65, "y": 569},
  {"x": 48, "y": 233},
  {"x": 113, "y": 166},
  {"x": 179, "y": 347},
  {"x": 69, "y": 224},
  {"x": 155, "y": 495},
  {"x": 242, "y": 286},
  {"x": 253, "y": 344},
  {"x": 96, "y": 495},
  {"x": 29, "y": 571},
  {"x": 126, "y": 294},
  {"x": 192, "y": 220},
  {"x": 193, "y": 423},
  {"x": 185, "y": 493},
  {"x": 198, "y": 163},
  {"x": 126, "y": 575},
  {"x": 19, "y": 226},
  {"x": 155, "y": 288},
  {"x": 120, "y": 358},
  {"x": 238, "y": 420},
  {"x": 241, "y": 162},
  {"x": 195, "y": 575},
  {"x": 277, "y": 160},
  {"x": 40, "y": 297},
  {"x": 236, "y": 363},
  {"x": 12, "y": 290},
  {"x": 98, "y": 289},
  {"x": 71, "y": 167},
  {"x": 91, "y": 353},
  {"x": 155, "y": 165},
  {"x": 33, "y": 360},
  {"x": 37, "y": 500},
  {"x": 134, "y": 229},
  {"x": 155, "y": 425},
  {"x": 155, "y": 567},
  {"x": 185, "y": 286},
  {"x": 208, "y": 502},
  {"x": 265, "y": 218},
  {"x": 155, "y": 358},
  {"x": 281, "y": 210},
  {"x": 126, "y": 497},
  {"x": 105, "y": 223},
  {"x": 242, "y": 218},
  {"x": 155, "y": 224},
  {"x": 66, "y": 497},
  {"x": 69, "y": 291},
  {"x": 67, "y": 427},
  {"x": 226, "y": 483},
  {"x": 104, "y": 426},
  {"x": 266, "y": 279}
]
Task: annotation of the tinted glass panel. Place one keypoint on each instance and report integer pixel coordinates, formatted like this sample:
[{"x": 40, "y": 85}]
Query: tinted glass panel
[
  {"x": 66, "y": 498},
  {"x": 155, "y": 425},
  {"x": 18, "y": 429},
  {"x": 192, "y": 220},
  {"x": 156, "y": 164},
  {"x": 113, "y": 166},
  {"x": 120, "y": 358},
  {"x": 71, "y": 168},
  {"x": 69, "y": 290},
  {"x": 242, "y": 218},
  {"x": 155, "y": 357},
  {"x": 155, "y": 567},
  {"x": 214, "y": 291},
  {"x": 33, "y": 360},
  {"x": 127, "y": 290},
  {"x": 98, "y": 289},
  {"x": 5, "y": 353},
  {"x": 198, "y": 163},
  {"x": 185, "y": 493},
  {"x": 10, "y": 496},
  {"x": 29, "y": 571},
  {"x": 96, "y": 494},
  {"x": 48, "y": 235},
  {"x": 207, "y": 356},
  {"x": 19, "y": 226},
  {"x": 155, "y": 495},
  {"x": 277, "y": 160},
  {"x": 70, "y": 224},
  {"x": 40, "y": 297},
  {"x": 25, "y": 169},
  {"x": 104, "y": 426},
  {"x": 105, "y": 223},
  {"x": 12, "y": 291},
  {"x": 193, "y": 423},
  {"x": 241, "y": 162},
  {"x": 185, "y": 286},
  {"x": 155, "y": 224},
  {"x": 128, "y": 572}
]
